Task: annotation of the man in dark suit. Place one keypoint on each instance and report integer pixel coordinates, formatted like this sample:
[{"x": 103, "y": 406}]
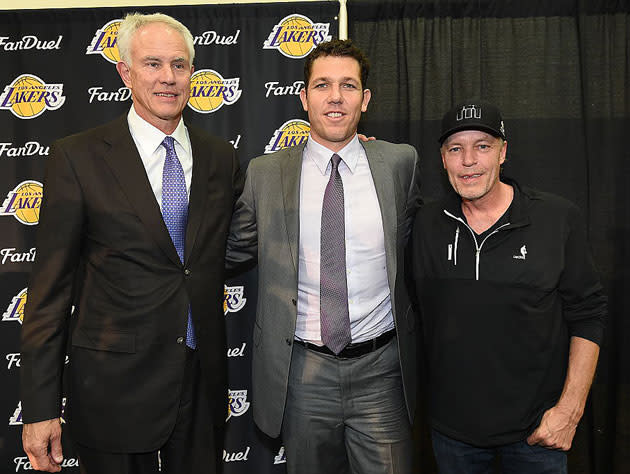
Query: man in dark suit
[
  {"x": 334, "y": 363},
  {"x": 143, "y": 268}
]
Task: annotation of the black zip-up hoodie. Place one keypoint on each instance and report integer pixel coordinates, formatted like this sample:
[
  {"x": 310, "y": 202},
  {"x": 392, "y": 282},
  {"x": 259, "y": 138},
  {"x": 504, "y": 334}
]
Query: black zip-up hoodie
[{"x": 498, "y": 312}]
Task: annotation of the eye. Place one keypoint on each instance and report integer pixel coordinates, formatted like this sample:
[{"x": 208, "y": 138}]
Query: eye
[
  {"x": 348, "y": 85},
  {"x": 454, "y": 149},
  {"x": 321, "y": 85},
  {"x": 484, "y": 147}
]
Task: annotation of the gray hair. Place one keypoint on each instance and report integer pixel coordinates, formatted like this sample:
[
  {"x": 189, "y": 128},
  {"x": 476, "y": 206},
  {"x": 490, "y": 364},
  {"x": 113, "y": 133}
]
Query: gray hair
[{"x": 134, "y": 21}]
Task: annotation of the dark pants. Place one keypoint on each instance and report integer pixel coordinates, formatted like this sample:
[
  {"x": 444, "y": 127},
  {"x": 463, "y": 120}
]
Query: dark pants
[
  {"x": 455, "y": 457},
  {"x": 194, "y": 447}
]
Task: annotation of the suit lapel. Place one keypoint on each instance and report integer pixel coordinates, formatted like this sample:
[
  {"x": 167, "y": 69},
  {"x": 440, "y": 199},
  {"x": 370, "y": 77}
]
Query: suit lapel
[
  {"x": 198, "y": 190},
  {"x": 384, "y": 184},
  {"x": 290, "y": 176},
  {"x": 126, "y": 165}
]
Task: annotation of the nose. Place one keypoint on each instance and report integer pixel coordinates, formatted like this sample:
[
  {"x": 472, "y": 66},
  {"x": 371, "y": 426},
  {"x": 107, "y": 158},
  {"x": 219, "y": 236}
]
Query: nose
[
  {"x": 167, "y": 76},
  {"x": 335, "y": 93},
  {"x": 468, "y": 157}
]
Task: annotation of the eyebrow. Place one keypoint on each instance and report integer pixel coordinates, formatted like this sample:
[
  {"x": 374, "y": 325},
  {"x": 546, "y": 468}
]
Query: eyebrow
[{"x": 329, "y": 79}]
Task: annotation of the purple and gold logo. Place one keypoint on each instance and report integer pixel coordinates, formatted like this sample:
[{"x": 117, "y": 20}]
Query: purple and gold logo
[
  {"x": 237, "y": 403},
  {"x": 292, "y": 132},
  {"x": 15, "y": 311},
  {"x": 23, "y": 202},
  {"x": 209, "y": 91},
  {"x": 28, "y": 97},
  {"x": 105, "y": 42},
  {"x": 296, "y": 35},
  {"x": 233, "y": 299}
]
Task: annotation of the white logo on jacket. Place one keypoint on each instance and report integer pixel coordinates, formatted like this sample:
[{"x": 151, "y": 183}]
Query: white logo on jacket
[{"x": 522, "y": 255}]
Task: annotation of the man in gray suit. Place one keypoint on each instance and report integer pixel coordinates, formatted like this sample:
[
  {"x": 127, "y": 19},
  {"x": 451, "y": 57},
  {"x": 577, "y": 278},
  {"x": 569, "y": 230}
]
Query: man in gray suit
[{"x": 334, "y": 364}]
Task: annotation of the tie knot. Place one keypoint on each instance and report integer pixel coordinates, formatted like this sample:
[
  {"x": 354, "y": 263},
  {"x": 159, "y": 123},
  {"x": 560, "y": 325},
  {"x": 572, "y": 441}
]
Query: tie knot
[
  {"x": 336, "y": 159},
  {"x": 169, "y": 144}
]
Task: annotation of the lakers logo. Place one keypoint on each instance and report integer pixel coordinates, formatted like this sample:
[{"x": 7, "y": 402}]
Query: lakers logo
[
  {"x": 28, "y": 96},
  {"x": 105, "y": 42},
  {"x": 15, "y": 311},
  {"x": 16, "y": 419},
  {"x": 237, "y": 403},
  {"x": 233, "y": 299},
  {"x": 209, "y": 91},
  {"x": 291, "y": 133},
  {"x": 23, "y": 202},
  {"x": 296, "y": 35}
]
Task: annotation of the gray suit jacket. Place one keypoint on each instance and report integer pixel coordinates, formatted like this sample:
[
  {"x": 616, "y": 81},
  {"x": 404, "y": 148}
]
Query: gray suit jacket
[{"x": 265, "y": 226}]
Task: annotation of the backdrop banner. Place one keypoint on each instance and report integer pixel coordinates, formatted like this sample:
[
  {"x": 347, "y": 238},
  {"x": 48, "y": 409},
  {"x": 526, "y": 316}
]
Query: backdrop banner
[{"x": 58, "y": 77}]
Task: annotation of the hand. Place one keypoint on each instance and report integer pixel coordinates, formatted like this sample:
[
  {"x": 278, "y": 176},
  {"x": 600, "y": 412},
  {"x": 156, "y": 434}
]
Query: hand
[
  {"x": 363, "y": 138},
  {"x": 42, "y": 444},
  {"x": 556, "y": 430}
]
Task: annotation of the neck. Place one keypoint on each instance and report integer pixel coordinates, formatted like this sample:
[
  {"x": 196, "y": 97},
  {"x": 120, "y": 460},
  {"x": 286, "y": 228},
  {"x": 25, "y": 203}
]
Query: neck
[{"x": 483, "y": 213}]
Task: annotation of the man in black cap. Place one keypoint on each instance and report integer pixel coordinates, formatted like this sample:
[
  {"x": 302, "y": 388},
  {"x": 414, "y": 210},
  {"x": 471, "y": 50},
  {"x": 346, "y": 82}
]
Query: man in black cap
[{"x": 512, "y": 308}]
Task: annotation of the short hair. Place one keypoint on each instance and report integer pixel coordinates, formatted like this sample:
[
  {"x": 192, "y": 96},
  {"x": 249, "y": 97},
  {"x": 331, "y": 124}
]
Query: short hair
[
  {"x": 339, "y": 48},
  {"x": 134, "y": 21}
]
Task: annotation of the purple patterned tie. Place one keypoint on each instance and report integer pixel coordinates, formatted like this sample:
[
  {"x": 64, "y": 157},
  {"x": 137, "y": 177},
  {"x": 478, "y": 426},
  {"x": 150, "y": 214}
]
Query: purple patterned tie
[
  {"x": 333, "y": 286},
  {"x": 175, "y": 212}
]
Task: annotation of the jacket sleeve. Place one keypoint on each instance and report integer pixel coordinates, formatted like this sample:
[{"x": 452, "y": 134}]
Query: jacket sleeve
[
  {"x": 242, "y": 241},
  {"x": 584, "y": 303},
  {"x": 45, "y": 328}
]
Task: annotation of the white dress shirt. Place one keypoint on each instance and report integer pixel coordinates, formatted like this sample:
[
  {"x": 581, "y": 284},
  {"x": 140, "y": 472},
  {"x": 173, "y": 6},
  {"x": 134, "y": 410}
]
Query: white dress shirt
[
  {"x": 369, "y": 300},
  {"x": 148, "y": 140}
]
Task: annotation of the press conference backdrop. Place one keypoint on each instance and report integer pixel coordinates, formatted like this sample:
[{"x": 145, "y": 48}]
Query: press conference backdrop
[{"x": 58, "y": 77}]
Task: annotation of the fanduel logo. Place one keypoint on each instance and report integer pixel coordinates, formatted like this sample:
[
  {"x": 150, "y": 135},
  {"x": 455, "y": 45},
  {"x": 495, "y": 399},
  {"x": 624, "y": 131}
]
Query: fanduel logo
[
  {"x": 212, "y": 37},
  {"x": 11, "y": 256},
  {"x": 29, "y": 149},
  {"x": 22, "y": 463},
  {"x": 29, "y": 42},
  {"x": 274, "y": 87},
  {"x": 99, "y": 95},
  {"x": 236, "y": 351},
  {"x": 235, "y": 456}
]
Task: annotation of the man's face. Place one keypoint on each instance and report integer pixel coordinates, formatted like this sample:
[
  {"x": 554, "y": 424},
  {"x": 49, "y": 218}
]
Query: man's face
[
  {"x": 334, "y": 99},
  {"x": 472, "y": 159},
  {"x": 159, "y": 75}
]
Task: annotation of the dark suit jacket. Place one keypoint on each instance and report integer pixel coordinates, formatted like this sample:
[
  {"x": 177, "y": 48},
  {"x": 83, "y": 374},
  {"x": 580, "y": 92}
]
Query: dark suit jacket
[{"x": 103, "y": 247}]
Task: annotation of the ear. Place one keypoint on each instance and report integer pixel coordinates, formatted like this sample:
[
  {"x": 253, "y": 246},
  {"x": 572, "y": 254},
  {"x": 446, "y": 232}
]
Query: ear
[
  {"x": 503, "y": 152},
  {"x": 124, "y": 72},
  {"x": 303, "y": 99},
  {"x": 443, "y": 160},
  {"x": 367, "y": 95}
]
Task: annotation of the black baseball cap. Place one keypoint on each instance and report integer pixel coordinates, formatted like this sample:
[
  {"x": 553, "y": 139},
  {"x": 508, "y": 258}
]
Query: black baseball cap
[{"x": 472, "y": 115}]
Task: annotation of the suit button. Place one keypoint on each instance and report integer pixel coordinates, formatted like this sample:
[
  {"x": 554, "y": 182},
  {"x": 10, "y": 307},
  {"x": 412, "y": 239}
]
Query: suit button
[
  {"x": 288, "y": 341},
  {"x": 293, "y": 301},
  {"x": 180, "y": 340},
  {"x": 186, "y": 271}
]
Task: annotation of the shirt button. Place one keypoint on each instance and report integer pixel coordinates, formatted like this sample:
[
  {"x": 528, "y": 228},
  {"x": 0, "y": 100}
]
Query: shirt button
[
  {"x": 288, "y": 341},
  {"x": 186, "y": 272},
  {"x": 180, "y": 340}
]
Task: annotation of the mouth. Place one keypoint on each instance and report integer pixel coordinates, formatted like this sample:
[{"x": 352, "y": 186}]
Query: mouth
[
  {"x": 469, "y": 177},
  {"x": 334, "y": 115},
  {"x": 168, "y": 95}
]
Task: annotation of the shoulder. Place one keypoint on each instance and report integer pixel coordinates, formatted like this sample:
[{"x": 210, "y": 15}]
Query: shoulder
[
  {"x": 388, "y": 149},
  {"x": 549, "y": 203},
  {"x": 207, "y": 141},
  {"x": 277, "y": 158}
]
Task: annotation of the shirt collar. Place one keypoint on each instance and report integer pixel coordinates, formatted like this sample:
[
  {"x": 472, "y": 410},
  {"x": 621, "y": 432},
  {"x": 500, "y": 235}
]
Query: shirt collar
[
  {"x": 321, "y": 155},
  {"x": 150, "y": 138}
]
